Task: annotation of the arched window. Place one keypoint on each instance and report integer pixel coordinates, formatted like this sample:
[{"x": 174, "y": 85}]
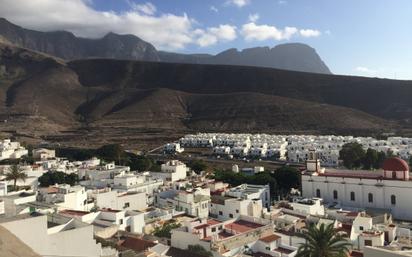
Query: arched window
[
  {"x": 318, "y": 193},
  {"x": 393, "y": 199},
  {"x": 352, "y": 196},
  {"x": 393, "y": 174},
  {"x": 335, "y": 194},
  {"x": 370, "y": 197}
]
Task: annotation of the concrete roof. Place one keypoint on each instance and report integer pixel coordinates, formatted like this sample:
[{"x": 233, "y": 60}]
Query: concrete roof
[{"x": 11, "y": 246}]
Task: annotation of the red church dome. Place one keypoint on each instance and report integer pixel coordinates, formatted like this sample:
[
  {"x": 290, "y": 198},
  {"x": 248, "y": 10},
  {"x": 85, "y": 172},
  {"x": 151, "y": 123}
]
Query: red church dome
[{"x": 395, "y": 164}]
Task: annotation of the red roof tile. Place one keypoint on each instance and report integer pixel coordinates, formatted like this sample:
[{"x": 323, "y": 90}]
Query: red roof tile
[{"x": 269, "y": 239}]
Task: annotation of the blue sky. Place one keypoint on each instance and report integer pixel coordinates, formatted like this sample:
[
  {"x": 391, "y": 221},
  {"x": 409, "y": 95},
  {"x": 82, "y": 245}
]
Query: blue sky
[{"x": 360, "y": 37}]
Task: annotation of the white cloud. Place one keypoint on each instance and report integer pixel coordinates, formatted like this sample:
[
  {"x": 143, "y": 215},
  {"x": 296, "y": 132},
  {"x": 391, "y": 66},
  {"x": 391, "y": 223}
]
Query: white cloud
[
  {"x": 282, "y": 2},
  {"x": 146, "y": 8},
  {"x": 309, "y": 33},
  {"x": 166, "y": 31},
  {"x": 215, "y": 34},
  {"x": 254, "y": 17},
  {"x": 251, "y": 31},
  {"x": 238, "y": 3},
  {"x": 214, "y": 9},
  {"x": 366, "y": 70}
]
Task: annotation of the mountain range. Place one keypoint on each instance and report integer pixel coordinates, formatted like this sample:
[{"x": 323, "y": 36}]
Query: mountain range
[
  {"x": 65, "y": 45},
  {"x": 92, "y": 101}
]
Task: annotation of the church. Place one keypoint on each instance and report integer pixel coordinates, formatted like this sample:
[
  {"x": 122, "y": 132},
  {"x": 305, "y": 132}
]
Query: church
[{"x": 388, "y": 189}]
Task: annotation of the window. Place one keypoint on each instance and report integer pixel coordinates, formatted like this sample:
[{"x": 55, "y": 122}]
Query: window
[
  {"x": 370, "y": 197},
  {"x": 393, "y": 174},
  {"x": 335, "y": 194},
  {"x": 220, "y": 227},
  {"x": 361, "y": 228},
  {"x": 231, "y": 215},
  {"x": 318, "y": 193},
  {"x": 213, "y": 229},
  {"x": 126, "y": 205},
  {"x": 352, "y": 196},
  {"x": 220, "y": 213},
  {"x": 393, "y": 199},
  {"x": 121, "y": 221},
  {"x": 237, "y": 211},
  {"x": 368, "y": 242},
  {"x": 267, "y": 248}
]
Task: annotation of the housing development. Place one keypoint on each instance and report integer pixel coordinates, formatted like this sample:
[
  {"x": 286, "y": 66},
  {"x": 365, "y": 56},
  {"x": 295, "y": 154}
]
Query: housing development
[{"x": 95, "y": 207}]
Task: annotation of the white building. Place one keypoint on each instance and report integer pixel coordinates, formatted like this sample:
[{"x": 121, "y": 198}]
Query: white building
[
  {"x": 247, "y": 191},
  {"x": 194, "y": 202},
  {"x": 66, "y": 197},
  {"x": 224, "y": 208},
  {"x": 122, "y": 201},
  {"x": 43, "y": 154},
  {"x": 313, "y": 206},
  {"x": 173, "y": 148},
  {"x": 388, "y": 189},
  {"x": 171, "y": 171},
  {"x": 227, "y": 238},
  {"x": 11, "y": 150},
  {"x": 3, "y": 188},
  {"x": 58, "y": 236}
]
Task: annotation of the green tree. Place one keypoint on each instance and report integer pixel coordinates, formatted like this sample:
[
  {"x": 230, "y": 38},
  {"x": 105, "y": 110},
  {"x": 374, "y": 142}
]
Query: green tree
[
  {"x": 15, "y": 173},
  {"x": 198, "y": 249},
  {"x": 197, "y": 165},
  {"x": 323, "y": 241},
  {"x": 112, "y": 152},
  {"x": 380, "y": 160},
  {"x": 370, "y": 159},
  {"x": 57, "y": 177},
  {"x": 410, "y": 161},
  {"x": 287, "y": 178},
  {"x": 352, "y": 155},
  {"x": 164, "y": 231}
]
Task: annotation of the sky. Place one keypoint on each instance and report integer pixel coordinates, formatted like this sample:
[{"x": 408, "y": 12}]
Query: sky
[{"x": 353, "y": 37}]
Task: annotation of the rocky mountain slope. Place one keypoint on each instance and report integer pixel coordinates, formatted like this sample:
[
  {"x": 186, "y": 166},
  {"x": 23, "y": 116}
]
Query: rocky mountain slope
[
  {"x": 103, "y": 100},
  {"x": 291, "y": 56},
  {"x": 62, "y": 44},
  {"x": 65, "y": 45}
]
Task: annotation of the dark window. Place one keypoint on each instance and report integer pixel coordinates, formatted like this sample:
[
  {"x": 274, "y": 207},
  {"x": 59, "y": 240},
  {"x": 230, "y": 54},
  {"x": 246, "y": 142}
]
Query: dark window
[
  {"x": 126, "y": 205},
  {"x": 121, "y": 221},
  {"x": 352, "y": 196},
  {"x": 220, "y": 213},
  {"x": 368, "y": 242},
  {"x": 335, "y": 194},
  {"x": 393, "y": 174},
  {"x": 317, "y": 192},
  {"x": 231, "y": 215},
  {"x": 393, "y": 199},
  {"x": 361, "y": 228},
  {"x": 237, "y": 211},
  {"x": 370, "y": 197},
  {"x": 213, "y": 229}
]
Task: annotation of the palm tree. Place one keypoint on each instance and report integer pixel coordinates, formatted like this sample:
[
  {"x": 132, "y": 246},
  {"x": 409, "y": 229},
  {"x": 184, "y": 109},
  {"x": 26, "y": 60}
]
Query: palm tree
[
  {"x": 15, "y": 173},
  {"x": 323, "y": 241}
]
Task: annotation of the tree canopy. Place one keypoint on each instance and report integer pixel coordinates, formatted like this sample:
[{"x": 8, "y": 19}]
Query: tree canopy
[
  {"x": 323, "y": 241},
  {"x": 57, "y": 177},
  {"x": 354, "y": 156},
  {"x": 280, "y": 181},
  {"x": 164, "y": 231},
  {"x": 197, "y": 165},
  {"x": 15, "y": 173}
]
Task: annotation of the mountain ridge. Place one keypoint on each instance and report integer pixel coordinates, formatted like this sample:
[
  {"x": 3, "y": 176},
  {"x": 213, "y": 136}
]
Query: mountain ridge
[{"x": 65, "y": 45}]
